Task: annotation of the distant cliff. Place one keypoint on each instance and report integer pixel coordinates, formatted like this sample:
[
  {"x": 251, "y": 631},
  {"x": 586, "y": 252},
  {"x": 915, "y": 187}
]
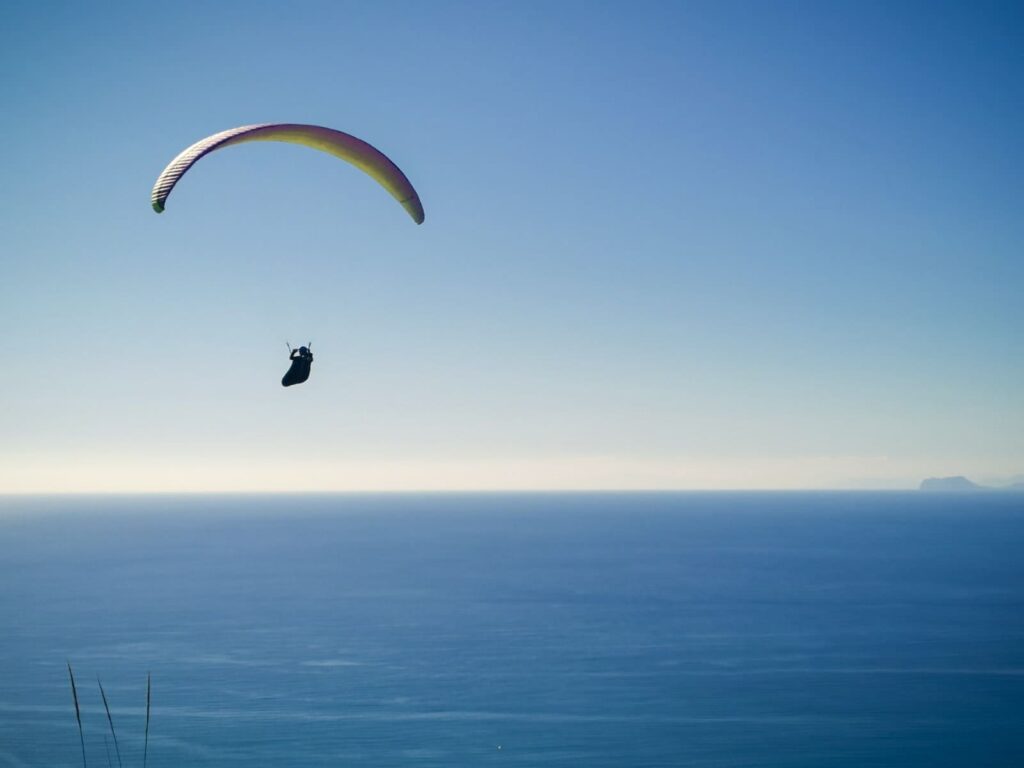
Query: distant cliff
[
  {"x": 961, "y": 483},
  {"x": 957, "y": 483}
]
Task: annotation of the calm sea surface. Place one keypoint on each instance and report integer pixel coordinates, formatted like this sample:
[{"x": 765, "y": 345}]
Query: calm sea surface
[{"x": 626, "y": 630}]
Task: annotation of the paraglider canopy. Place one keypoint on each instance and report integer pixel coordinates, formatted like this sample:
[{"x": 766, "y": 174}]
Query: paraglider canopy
[{"x": 363, "y": 156}]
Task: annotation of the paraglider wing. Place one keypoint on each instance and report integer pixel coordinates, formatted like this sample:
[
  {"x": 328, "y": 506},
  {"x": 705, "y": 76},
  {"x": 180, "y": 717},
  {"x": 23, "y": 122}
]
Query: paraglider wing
[{"x": 355, "y": 151}]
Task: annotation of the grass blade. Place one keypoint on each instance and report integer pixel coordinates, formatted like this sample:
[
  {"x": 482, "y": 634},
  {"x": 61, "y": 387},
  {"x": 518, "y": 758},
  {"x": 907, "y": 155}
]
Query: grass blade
[
  {"x": 110, "y": 720},
  {"x": 145, "y": 745},
  {"x": 78, "y": 714}
]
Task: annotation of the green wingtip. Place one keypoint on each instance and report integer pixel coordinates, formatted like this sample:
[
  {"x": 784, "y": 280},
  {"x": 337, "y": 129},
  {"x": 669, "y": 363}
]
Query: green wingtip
[{"x": 158, "y": 208}]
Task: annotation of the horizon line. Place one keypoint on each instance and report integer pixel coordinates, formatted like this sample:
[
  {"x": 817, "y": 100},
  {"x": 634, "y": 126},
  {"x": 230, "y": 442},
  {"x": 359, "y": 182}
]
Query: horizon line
[{"x": 459, "y": 491}]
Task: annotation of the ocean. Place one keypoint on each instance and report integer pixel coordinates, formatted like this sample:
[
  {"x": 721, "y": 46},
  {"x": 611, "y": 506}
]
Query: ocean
[{"x": 625, "y": 630}]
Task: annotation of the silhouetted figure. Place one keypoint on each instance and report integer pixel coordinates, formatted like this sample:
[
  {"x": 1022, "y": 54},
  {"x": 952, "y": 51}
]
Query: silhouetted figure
[{"x": 302, "y": 361}]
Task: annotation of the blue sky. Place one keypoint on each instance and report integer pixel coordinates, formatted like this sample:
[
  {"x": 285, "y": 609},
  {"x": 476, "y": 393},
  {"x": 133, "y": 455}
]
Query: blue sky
[{"x": 680, "y": 245}]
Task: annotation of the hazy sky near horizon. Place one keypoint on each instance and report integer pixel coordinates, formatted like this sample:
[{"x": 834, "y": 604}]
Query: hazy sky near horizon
[{"x": 667, "y": 245}]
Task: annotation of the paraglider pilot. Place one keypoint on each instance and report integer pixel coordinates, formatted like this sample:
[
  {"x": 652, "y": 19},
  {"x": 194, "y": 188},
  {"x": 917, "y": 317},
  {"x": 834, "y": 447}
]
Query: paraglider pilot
[{"x": 302, "y": 361}]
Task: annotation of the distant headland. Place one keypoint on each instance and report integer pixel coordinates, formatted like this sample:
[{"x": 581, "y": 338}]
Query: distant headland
[{"x": 961, "y": 483}]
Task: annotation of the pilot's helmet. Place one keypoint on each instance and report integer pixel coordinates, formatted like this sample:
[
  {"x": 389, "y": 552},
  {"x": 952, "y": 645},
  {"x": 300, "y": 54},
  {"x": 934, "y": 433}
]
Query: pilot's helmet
[{"x": 303, "y": 350}]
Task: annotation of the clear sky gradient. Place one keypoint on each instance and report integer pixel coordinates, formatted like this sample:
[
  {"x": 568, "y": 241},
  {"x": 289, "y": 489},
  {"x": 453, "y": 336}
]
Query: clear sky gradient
[{"x": 679, "y": 245}]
